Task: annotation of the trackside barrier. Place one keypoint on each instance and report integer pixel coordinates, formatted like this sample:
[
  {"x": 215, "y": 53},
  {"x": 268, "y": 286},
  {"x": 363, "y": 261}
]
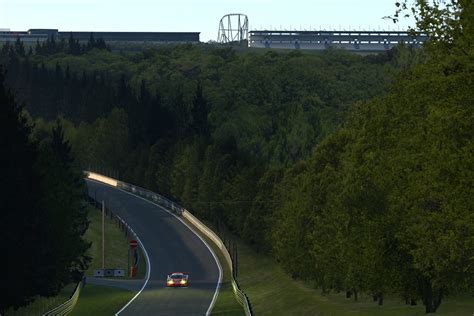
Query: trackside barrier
[
  {"x": 101, "y": 178},
  {"x": 66, "y": 307},
  {"x": 239, "y": 294},
  {"x": 123, "y": 225},
  {"x": 177, "y": 209}
]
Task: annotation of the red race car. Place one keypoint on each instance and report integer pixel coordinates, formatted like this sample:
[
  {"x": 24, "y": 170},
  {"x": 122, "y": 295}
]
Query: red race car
[{"x": 177, "y": 279}]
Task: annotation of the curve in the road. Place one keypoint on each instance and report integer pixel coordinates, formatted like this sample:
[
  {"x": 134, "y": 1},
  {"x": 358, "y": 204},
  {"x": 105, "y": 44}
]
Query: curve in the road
[
  {"x": 147, "y": 276},
  {"x": 171, "y": 245}
]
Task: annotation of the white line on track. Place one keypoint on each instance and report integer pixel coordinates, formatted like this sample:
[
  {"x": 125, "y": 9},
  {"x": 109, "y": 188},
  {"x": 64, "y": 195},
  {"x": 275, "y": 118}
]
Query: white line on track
[
  {"x": 216, "y": 293},
  {"x": 148, "y": 270}
]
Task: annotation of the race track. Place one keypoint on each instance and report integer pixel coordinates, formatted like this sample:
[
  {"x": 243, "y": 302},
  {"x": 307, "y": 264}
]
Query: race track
[{"x": 170, "y": 246}]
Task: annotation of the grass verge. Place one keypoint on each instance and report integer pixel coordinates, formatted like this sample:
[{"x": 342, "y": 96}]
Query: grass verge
[
  {"x": 226, "y": 303},
  {"x": 116, "y": 243},
  {"x": 101, "y": 300},
  {"x": 116, "y": 246},
  {"x": 43, "y": 304},
  {"x": 273, "y": 292}
]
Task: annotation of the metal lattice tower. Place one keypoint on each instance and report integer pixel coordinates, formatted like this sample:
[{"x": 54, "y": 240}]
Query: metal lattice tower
[{"x": 233, "y": 27}]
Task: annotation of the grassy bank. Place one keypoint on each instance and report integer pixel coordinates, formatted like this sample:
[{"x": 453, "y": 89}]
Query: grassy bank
[
  {"x": 101, "y": 301},
  {"x": 116, "y": 243},
  {"x": 226, "y": 303},
  {"x": 116, "y": 247},
  {"x": 43, "y": 304},
  {"x": 273, "y": 292}
]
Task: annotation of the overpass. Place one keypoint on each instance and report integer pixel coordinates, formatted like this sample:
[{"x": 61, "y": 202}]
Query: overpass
[{"x": 359, "y": 41}]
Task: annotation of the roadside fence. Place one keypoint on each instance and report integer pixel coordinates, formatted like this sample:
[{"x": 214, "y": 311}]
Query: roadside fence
[
  {"x": 177, "y": 209},
  {"x": 66, "y": 307}
]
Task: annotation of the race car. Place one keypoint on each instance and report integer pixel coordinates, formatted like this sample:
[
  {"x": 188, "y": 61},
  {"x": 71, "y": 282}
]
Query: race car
[{"x": 177, "y": 279}]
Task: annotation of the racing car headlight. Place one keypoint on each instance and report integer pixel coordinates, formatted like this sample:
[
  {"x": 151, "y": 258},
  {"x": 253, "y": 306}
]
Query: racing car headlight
[
  {"x": 183, "y": 281},
  {"x": 170, "y": 282}
]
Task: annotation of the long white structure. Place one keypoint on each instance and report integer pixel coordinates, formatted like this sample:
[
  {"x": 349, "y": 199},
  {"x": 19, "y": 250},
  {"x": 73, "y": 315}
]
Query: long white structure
[{"x": 362, "y": 41}]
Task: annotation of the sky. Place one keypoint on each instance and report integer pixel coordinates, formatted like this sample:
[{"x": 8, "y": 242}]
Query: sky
[{"x": 196, "y": 16}]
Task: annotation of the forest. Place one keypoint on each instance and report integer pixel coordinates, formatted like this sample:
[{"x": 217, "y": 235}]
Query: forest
[
  {"x": 354, "y": 172},
  {"x": 43, "y": 213}
]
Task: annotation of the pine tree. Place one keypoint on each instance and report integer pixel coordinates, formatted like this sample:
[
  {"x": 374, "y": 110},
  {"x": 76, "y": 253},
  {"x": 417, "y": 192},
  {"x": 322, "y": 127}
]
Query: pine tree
[
  {"x": 199, "y": 113},
  {"x": 20, "y": 212},
  {"x": 63, "y": 200},
  {"x": 91, "y": 44},
  {"x": 42, "y": 210},
  {"x": 19, "y": 47}
]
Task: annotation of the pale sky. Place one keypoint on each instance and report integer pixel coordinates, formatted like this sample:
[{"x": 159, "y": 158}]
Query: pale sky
[{"x": 195, "y": 16}]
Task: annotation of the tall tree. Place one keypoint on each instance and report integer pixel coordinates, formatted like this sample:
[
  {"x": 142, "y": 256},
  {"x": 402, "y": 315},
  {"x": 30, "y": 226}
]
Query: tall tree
[
  {"x": 42, "y": 217},
  {"x": 65, "y": 212},
  {"x": 20, "y": 211}
]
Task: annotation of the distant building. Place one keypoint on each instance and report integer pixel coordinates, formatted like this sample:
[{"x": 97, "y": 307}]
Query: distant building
[
  {"x": 162, "y": 37},
  {"x": 41, "y": 35},
  {"x": 361, "y": 41},
  {"x": 26, "y": 37}
]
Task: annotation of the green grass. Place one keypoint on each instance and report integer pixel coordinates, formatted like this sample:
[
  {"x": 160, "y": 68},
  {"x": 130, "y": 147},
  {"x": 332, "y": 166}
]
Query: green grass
[
  {"x": 43, "y": 304},
  {"x": 100, "y": 300},
  {"x": 116, "y": 247},
  {"x": 116, "y": 243},
  {"x": 273, "y": 292},
  {"x": 226, "y": 303}
]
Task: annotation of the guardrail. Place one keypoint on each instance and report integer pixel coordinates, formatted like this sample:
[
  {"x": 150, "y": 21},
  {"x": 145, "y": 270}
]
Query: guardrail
[
  {"x": 66, "y": 307},
  {"x": 177, "y": 209},
  {"x": 239, "y": 294},
  {"x": 121, "y": 224}
]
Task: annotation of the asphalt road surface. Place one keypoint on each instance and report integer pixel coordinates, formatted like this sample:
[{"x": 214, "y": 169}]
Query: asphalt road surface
[{"x": 170, "y": 246}]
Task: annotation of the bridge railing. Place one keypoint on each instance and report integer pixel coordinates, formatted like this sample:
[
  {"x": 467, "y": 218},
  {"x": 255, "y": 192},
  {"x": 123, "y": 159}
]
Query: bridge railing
[{"x": 177, "y": 209}]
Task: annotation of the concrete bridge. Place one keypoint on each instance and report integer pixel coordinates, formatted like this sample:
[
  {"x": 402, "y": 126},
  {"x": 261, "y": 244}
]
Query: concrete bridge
[{"x": 360, "y": 41}]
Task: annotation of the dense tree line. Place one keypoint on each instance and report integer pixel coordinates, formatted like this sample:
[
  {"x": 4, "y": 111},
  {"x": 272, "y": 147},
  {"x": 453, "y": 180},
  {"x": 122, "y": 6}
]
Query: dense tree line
[
  {"x": 265, "y": 110},
  {"x": 354, "y": 172},
  {"x": 51, "y": 46},
  {"x": 42, "y": 210},
  {"x": 384, "y": 203}
]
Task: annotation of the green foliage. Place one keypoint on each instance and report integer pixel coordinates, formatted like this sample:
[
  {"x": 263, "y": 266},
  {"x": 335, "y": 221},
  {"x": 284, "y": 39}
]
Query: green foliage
[
  {"x": 42, "y": 216},
  {"x": 386, "y": 197},
  {"x": 449, "y": 24},
  {"x": 354, "y": 172},
  {"x": 62, "y": 185},
  {"x": 20, "y": 201},
  {"x": 101, "y": 300}
]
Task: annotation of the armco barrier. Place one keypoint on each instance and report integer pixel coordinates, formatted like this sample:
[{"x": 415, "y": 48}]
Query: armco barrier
[
  {"x": 123, "y": 226},
  {"x": 239, "y": 294},
  {"x": 180, "y": 211},
  {"x": 66, "y": 307}
]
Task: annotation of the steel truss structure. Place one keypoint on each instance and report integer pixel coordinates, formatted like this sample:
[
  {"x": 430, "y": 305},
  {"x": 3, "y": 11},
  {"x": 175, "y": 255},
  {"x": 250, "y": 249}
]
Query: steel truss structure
[{"x": 233, "y": 27}]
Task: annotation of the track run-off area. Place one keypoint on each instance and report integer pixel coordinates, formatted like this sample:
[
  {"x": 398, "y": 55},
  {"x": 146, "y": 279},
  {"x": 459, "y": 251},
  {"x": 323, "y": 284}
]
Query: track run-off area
[{"x": 169, "y": 245}]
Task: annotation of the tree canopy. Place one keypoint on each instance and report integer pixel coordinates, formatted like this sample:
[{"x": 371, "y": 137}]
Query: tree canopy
[
  {"x": 42, "y": 211},
  {"x": 354, "y": 172}
]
